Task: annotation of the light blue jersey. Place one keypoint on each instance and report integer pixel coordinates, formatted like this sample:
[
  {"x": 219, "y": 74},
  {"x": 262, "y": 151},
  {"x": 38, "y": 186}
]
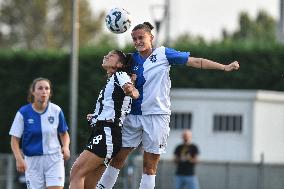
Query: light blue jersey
[
  {"x": 39, "y": 131},
  {"x": 153, "y": 80}
]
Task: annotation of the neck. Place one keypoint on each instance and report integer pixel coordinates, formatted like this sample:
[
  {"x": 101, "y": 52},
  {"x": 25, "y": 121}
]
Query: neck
[
  {"x": 146, "y": 53},
  {"x": 110, "y": 71},
  {"x": 39, "y": 106},
  {"x": 109, "y": 74}
]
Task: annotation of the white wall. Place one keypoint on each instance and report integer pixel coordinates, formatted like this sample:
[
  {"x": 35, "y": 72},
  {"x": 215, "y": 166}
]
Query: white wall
[
  {"x": 217, "y": 146},
  {"x": 222, "y": 146},
  {"x": 263, "y": 124},
  {"x": 269, "y": 131}
]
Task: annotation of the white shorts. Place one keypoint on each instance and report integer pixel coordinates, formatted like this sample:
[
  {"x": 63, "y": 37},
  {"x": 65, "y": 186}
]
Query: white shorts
[
  {"x": 45, "y": 171},
  {"x": 151, "y": 130}
]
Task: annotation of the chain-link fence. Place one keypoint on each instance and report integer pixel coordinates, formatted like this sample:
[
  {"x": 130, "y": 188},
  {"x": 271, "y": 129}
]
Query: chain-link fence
[
  {"x": 219, "y": 175},
  {"x": 212, "y": 175}
]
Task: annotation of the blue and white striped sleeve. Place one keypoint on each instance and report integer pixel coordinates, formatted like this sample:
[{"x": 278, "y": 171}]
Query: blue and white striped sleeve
[
  {"x": 17, "y": 126},
  {"x": 176, "y": 57},
  {"x": 62, "y": 126}
]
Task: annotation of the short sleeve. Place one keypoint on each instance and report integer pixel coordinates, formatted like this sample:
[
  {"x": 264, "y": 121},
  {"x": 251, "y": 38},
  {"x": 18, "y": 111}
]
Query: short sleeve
[
  {"x": 176, "y": 57},
  {"x": 194, "y": 150},
  {"x": 176, "y": 152},
  {"x": 62, "y": 127},
  {"x": 122, "y": 78},
  {"x": 17, "y": 126}
]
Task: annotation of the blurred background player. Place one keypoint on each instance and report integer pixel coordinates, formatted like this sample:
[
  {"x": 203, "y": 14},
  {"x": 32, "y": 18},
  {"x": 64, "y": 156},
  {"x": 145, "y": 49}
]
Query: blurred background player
[
  {"x": 112, "y": 106},
  {"x": 37, "y": 126},
  {"x": 186, "y": 157}
]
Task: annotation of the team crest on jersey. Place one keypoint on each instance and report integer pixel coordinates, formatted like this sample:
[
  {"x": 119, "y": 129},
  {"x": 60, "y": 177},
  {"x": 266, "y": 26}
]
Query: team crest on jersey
[
  {"x": 153, "y": 58},
  {"x": 50, "y": 119}
]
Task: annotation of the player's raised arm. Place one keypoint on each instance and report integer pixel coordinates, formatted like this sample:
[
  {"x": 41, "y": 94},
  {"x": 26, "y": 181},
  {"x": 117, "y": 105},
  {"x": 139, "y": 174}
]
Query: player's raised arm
[{"x": 203, "y": 63}]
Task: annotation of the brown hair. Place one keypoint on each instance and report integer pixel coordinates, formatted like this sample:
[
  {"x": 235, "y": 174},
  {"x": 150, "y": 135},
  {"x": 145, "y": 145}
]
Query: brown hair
[
  {"x": 30, "y": 97},
  {"x": 126, "y": 60},
  {"x": 145, "y": 26},
  {"x": 121, "y": 56}
]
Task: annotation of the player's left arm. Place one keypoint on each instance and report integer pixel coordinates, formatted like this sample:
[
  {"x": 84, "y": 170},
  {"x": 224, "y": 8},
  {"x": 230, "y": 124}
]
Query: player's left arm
[
  {"x": 203, "y": 63},
  {"x": 130, "y": 90},
  {"x": 65, "y": 139},
  {"x": 126, "y": 84}
]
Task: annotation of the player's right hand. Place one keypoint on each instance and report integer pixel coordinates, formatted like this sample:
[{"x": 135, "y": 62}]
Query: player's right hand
[
  {"x": 89, "y": 117},
  {"x": 21, "y": 165}
]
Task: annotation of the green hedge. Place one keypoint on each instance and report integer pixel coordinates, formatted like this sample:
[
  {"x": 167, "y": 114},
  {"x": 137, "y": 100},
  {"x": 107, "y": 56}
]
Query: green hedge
[{"x": 261, "y": 68}]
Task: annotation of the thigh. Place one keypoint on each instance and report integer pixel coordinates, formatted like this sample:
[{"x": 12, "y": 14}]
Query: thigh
[
  {"x": 131, "y": 131},
  {"x": 155, "y": 133},
  {"x": 119, "y": 160},
  {"x": 34, "y": 173},
  {"x": 86, "y": 163},
  {"x": 178, "y": 182},
  {"x": 192, "y": 182},
  {"x": 55, "y": 187}
]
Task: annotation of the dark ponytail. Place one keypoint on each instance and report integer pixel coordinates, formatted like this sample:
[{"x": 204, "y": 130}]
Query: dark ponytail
[
  {"x": 128, "y": 64},
  {"x": 127, "y": 61}
]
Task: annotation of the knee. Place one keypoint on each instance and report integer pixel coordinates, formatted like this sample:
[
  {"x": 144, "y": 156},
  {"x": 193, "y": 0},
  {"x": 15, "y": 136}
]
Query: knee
[
  {"x": 150, "y": 163},
  {"x": 149, "y": 168},
  {"x": 74, "y": 172},
  {"x": 118, "y": 162}
]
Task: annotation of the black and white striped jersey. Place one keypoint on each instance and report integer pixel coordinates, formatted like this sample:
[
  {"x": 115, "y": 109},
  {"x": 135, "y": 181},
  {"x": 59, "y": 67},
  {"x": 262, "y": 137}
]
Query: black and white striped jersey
[{"x": 112, "y": 104}]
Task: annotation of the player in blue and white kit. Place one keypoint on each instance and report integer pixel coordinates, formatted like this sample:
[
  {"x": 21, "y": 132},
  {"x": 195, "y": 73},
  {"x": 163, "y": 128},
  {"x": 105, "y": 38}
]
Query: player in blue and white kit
[
  {"x": 149, "y": 119},
  {"x": 113, "y": 104},
  {"x": 37, "y": 125}
]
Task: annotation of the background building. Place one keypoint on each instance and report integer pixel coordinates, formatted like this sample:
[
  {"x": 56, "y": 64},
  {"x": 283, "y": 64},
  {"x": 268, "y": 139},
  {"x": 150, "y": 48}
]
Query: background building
[{"x": 230, "y": 125}]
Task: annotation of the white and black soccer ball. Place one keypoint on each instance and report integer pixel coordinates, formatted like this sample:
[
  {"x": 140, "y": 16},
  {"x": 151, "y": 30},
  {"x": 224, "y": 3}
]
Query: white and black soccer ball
[{"x": 118, "y": 20}]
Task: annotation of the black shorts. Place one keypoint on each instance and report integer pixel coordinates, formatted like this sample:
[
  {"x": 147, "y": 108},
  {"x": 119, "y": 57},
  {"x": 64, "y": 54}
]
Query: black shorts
[{"x": 105, "y": 140}]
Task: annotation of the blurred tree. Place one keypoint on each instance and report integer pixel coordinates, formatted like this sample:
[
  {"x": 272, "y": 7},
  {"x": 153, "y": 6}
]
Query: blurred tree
[
  {"x": 186, "y": 38},
  {"x": 262, "y": 29},
  {"x": 46, "y": 24},
  {"x": 23, "y": 22}
]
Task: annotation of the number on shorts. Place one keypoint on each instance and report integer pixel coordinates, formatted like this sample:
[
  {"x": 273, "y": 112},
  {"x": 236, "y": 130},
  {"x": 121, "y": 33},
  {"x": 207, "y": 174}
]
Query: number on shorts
[{"x": 96, "y": 140}]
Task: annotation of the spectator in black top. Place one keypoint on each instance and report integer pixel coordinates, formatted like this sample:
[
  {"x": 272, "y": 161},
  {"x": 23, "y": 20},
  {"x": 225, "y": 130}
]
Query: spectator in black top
[{"x": 186, "y": 157}]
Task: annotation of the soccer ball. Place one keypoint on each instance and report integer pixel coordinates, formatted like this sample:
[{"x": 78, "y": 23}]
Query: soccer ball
[{"x": 118, "y": 20}]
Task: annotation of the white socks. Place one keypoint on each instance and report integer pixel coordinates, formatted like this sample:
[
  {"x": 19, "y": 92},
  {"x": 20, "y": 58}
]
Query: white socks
[
  {"x": 147, "y": 182},
  {"x": 110, "y": 175},
  {"x": 108, "y": 179}
]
